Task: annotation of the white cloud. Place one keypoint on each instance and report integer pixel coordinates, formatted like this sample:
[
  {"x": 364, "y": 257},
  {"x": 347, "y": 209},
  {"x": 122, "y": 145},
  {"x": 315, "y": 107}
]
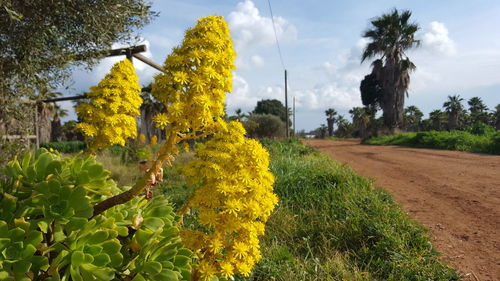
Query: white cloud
[
  {"x": 437, "y": 40},
  {"x": 251, "y": 31},
  {"x": 240, "y": 96},
  {"x": 329, "y": 95},
  {"x": 257, "y": 60}
]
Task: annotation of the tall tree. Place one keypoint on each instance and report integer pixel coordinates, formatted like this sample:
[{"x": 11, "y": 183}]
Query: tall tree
[
  {"x": 273, "y": 107},
  {"x": 436, "y": 117},
  {"x": 360, "y": 118},
  {"x": 390, "y": 36},
  {"x": 330, "y": 119},
  {"x": 478, "y": 110},
  {"x": 454, "y": 109},
  {"x": 496, "y": 116},
  {"x": 412, "y": 118},
  {"x": 40, "y": 40},
  {"x": 149, "y": 108},
  {"x": 344, "y": 128}
]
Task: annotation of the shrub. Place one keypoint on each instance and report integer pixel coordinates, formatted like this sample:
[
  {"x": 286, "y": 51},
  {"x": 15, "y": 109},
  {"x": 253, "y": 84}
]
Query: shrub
[
  {"x": 482, "y": 141},
  {"x": 65, "y": 146},
  {"x": 265, "y": 126}
]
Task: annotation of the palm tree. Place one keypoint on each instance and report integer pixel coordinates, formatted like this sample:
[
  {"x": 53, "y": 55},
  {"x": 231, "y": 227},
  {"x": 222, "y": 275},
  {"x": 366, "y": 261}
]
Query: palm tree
[
  {"x": 56, "y": 127},
  {"x": 496, "y": 115},
  {"x": 344, "y": 128},
  {"x": 412, "y": 118},
  {"x": 330, "y": 119},
  {"x": 322, "y": 131},
  {"x": 360, "y": 119},
  {"x": 149, "y": 108},
  {"x": 454, "y": 109},
  {"x": 46, "y": 113},
  {"x": 391, "y": 35},
  {"x": 478, "y": 110},
  {"x": 436, "y": 117}
]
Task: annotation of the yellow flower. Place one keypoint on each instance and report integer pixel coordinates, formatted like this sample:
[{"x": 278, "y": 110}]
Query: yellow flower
[
  {"x": 154, "y": 140},
  {"x": 142, "y": 139},
  {"x": 161, "y": 120}
]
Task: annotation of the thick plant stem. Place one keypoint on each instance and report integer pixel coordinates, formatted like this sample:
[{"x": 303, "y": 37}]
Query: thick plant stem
[{"x": 141, "y": 184}]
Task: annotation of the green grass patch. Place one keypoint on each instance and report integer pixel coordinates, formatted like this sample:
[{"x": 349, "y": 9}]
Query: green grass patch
[
  {"x": 334, "y": 225},
  {"x": 470, "y": 141}
]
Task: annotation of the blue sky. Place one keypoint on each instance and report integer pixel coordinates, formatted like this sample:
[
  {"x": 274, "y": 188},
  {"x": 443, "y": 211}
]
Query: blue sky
[{"x": 321, "y": 45}]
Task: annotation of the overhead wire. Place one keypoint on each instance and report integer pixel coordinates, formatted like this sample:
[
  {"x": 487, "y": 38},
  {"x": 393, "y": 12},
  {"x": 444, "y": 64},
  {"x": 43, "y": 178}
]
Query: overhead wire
[{"x": 276, "y": 35}]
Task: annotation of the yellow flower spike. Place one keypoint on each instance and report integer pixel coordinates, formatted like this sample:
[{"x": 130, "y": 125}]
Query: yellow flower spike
[
  {"x": 110, "y": 117},
  {"x": 199, "y": 69},
  {"x": 229, "y": 199}
]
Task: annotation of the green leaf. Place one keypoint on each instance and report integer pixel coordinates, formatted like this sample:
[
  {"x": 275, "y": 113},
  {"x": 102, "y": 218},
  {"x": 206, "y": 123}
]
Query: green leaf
[
  {"x": 98, "y": 237},
  {"x": 168, "y": 275},
  {"x": 75, "y": 274},
  {"x": 102, "y": 273},
  {"x": 21, "y": 267},
  {"x": 88, "y": 258},
  {"x": 3, "y": 243},
  {"x": 101, "y": 260},
  {"x": 153, "y": 223},
  {"x": 16, "y": 234},
  {"x": 111, "y": 247},
  {"x": 34, "y": 238},
  {"x": 43, "y": 225},
  {"x": 181, "y": 261},
  {"x": 39, "y": 263},
  {"x": 75, "y": 223},
  {"x": 93, "y": 249},
  {"x": 26, "y": 161},
  {"x": 138, "y": 277},
  {"x": 77, "y": 258},
  {"x": 152, "y": 267},
  {"x": 95, "y": 171},
  {"x": 143, "y": 236},
  {"x": 28, "y": 251},
  {"x": 122, "y": 231}
]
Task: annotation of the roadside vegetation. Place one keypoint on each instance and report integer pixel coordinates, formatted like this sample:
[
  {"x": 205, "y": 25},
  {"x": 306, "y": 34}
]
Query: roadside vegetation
[
  {"x": 334, "y": 225},
  {"x": 480, "y": 139}
]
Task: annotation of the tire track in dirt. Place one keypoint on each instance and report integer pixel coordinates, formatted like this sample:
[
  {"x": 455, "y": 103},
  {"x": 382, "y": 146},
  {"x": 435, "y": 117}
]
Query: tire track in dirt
[{"x": 456, "y": 195}]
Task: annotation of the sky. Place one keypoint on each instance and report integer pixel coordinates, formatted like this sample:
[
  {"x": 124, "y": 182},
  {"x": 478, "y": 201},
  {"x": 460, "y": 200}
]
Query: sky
[{"x": 321, "y": 44}]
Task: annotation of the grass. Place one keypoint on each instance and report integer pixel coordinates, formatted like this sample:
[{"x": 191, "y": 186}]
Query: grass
[
  {"x": 453, "y": 140},
  {"x": 334, "y": 225}
]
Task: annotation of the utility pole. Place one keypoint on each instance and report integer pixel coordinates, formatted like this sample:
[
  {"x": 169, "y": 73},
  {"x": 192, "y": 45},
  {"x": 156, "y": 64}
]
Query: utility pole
[
  {"x": 286, "y": 106},
  {"x": 294, "y": 132}
]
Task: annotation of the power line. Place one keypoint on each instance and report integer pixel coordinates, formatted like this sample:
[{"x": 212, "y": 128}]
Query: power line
[{"x": 275, "y": 34}]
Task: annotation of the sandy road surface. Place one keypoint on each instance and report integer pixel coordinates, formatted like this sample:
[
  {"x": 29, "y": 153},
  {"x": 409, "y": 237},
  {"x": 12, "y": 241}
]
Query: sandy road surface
[{"x": 454, "y": 194}]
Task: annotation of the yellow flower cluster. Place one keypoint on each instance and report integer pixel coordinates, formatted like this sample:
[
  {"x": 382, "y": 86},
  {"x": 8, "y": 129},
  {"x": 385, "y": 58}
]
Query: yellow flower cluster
[
  {"x": 110, "y": 117},
  {"x": 197, "y": 75},
  {"x": 233, "y": 203}
]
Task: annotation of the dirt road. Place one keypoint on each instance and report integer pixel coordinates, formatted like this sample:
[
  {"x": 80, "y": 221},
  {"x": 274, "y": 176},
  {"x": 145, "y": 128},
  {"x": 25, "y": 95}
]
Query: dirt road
[{"x": 454, "y": 194}]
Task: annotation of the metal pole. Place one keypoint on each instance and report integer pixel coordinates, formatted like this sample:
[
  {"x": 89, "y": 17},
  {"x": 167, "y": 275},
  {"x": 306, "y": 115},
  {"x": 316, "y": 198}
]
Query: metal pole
[
  {"x": 294, "y": 132},
  {"x": 286, "y": 106}
]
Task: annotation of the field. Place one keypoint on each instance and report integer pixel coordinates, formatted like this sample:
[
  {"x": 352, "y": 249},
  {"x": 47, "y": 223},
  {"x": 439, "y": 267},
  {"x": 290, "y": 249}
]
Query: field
[
  {"x": 334, "y": 225},
  {"x": 454, "y": 194}
]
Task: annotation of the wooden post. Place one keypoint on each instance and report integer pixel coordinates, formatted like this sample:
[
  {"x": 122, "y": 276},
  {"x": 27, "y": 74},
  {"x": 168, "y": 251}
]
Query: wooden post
[{"x": 37, "y": 133}]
